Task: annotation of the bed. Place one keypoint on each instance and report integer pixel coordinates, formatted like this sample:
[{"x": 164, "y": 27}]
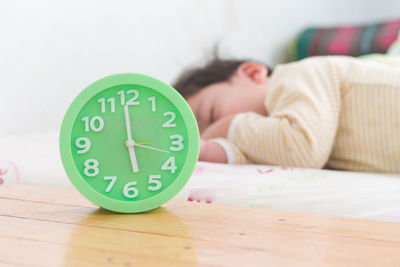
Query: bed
[{"x": 33, "y": 159}]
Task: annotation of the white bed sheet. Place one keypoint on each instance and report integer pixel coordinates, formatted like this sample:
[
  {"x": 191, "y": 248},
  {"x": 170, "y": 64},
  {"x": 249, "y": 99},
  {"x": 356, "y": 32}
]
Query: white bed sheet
[{"x": 34, "y": 159}]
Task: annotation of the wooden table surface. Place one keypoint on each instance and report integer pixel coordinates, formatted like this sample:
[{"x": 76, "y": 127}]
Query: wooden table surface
[{"x": 51, "y": 226}]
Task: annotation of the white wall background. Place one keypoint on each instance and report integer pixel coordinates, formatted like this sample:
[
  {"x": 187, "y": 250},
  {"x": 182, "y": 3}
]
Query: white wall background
[{"x": 50, "y": 50}]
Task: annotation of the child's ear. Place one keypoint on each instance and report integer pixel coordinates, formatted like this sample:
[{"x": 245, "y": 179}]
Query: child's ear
[{"x": 255, "y": 71}]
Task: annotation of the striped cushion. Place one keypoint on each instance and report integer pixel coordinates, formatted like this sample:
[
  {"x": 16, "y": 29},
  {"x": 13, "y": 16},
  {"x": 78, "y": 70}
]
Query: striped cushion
[{"x": 346, "y": 40}]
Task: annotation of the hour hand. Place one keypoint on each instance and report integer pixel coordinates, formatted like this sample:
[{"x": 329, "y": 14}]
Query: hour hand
[{"x": 130, "y": 144}]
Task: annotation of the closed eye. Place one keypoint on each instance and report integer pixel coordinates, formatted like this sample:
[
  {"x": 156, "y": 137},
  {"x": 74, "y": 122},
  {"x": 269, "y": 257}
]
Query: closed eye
[{"x": 212, "y": 115}]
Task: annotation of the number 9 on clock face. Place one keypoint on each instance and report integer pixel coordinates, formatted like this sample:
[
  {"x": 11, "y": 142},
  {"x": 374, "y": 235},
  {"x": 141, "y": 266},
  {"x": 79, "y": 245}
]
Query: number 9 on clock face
[{"x": 129, "y": 142}]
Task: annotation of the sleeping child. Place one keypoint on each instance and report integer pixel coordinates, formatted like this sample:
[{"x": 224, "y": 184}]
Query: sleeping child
[{"x": 331, "y": 111}]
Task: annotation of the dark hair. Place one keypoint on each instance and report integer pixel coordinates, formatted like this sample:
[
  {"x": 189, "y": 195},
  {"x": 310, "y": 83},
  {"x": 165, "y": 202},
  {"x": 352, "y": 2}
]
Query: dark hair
[{"x": 217, "y": 70}]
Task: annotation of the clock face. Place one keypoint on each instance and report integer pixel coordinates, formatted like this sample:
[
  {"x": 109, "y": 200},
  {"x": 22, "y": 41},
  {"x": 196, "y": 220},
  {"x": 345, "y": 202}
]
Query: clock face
[{"x": 129, "y": 142}]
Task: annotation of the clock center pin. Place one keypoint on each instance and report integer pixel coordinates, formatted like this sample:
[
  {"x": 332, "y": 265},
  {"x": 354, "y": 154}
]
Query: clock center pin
[{"x": 130, "y": 143}]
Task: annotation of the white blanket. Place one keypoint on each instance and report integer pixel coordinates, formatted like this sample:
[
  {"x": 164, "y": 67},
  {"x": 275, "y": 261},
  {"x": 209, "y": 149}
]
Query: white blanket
[
  {"x": 34, "y": 159},
  {"x": 340, "y": 193}
]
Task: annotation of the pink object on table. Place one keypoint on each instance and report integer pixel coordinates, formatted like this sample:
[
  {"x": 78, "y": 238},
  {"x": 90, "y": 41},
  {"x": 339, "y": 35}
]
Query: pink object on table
[{"x": 9, "y": 173}]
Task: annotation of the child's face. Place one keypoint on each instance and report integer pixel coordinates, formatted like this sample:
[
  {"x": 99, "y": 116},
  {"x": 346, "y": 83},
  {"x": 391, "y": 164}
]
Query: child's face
[{"x": 245, "y": 91}]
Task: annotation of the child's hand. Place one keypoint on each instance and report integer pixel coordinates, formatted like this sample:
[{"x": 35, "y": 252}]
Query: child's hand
[
  {"x": 212, "y": 152},
  {"x": 219, "y": 128}
]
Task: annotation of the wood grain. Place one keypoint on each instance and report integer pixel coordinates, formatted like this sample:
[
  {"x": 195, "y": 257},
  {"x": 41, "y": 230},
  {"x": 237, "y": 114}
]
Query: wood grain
[{"x": 50, "y": 226}]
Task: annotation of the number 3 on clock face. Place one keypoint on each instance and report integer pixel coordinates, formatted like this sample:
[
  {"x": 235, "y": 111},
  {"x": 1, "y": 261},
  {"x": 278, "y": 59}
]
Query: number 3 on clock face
[{"x": 129, "y": 142}]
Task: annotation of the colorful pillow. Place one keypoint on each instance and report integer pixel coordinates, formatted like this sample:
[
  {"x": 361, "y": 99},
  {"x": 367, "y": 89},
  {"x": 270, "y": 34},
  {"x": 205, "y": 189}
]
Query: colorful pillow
[
  {"x": 394, "y": 48},
  {"x": 346, "y": 40}
]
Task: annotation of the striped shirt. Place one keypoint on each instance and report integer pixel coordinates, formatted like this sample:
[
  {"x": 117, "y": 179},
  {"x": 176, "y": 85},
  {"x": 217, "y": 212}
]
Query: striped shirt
[{"x": 335, "y": 112}]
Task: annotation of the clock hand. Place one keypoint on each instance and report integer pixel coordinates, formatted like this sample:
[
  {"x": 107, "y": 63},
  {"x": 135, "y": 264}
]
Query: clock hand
[
  {"x": 130, "y": 143},
  {"x": 153, "y": 148},
  {"x": 132, "y": 155},
  {"x": 143, "y": 143}
]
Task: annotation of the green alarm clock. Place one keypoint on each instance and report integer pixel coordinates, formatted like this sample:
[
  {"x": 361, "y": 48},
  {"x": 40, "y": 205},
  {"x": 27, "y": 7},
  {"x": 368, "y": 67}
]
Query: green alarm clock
[{"x": 129, "y": 142}]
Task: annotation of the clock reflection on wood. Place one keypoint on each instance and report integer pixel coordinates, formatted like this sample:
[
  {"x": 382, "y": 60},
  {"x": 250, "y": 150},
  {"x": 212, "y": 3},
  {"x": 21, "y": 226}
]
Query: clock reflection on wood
[{"x": 123, "y": 240}]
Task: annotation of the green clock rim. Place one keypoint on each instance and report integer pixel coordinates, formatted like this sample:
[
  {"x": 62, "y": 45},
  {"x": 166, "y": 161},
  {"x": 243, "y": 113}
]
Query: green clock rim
[{"x": 118, "y": 205}]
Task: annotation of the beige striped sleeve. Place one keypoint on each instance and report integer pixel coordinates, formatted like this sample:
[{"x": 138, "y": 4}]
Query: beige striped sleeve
[{"x": 303, "y": 102}]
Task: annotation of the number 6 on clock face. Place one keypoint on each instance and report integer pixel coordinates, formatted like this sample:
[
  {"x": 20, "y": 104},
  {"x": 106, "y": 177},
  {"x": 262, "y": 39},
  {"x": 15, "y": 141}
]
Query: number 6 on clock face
[{"x": 129, "y": 142}]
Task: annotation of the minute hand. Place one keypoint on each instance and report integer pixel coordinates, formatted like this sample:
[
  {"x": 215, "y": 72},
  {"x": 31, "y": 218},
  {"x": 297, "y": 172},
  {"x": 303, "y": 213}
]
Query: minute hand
[
  {"x": 130, "y": 143},
  {"x": 153, "y": 148}
]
